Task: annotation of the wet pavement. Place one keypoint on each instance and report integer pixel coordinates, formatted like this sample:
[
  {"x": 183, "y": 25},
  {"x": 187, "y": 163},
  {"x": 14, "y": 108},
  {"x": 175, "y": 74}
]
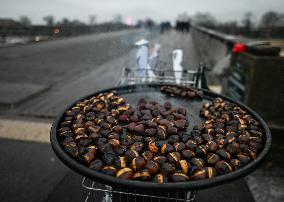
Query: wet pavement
[{"x": 69, "y": 69}]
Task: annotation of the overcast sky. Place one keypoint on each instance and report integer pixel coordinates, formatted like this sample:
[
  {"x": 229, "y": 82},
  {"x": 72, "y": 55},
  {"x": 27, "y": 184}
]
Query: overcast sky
[{"x": 158, "y": 10}]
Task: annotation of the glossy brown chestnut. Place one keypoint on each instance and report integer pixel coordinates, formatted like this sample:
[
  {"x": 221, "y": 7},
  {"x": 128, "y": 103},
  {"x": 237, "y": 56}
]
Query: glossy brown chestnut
[
  {"x": 190, "y": 144},
  {"x": 114, "y": 142},
  {"x": 188, "y": 154},
  {"x": 198, "y": 162},
  {"x": 147, "y": 155},
  {"x": 138, "y": 163},
  {"x": 160, "y": 159},
  {"x": 212, "y": 159},
  {"x": 235, "y": 164},
  {"x": 109, "y": 170},
  {"x": 224, "y": 154},
  {"x": 167, "y": 168},
  {"x": 174, "y": 157},
  {"x": 210, "y": 172},
  {"x": 152, "y": 166},
  {"x": 120, "y": 162},
  {"x": 185, "y": 165},
  {"x": 222, "y": 167},
  {"x": 143, "y": 175},
  {"x": 199, "y": 174},
  {"x": 212, "y": 146},
  {"x": 125, "y": 173},
  {"x": 179, "y": 177},
  {"x": 131, "y": 154}
]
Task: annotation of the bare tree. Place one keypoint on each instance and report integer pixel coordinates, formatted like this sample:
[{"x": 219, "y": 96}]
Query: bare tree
[
  {"x": 271, "y": 19},
  {"x": 92, "y": 20},
  {"x": 49, "y": 20},
  {"x": 248, "y": 22},
  {"x": 24, "y": 20}
]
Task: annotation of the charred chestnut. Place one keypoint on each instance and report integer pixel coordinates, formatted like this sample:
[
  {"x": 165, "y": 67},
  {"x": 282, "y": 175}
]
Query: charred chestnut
[
  {"x": 212, "y": 159},
  {"x": 147, "y": 155},
  {"x": 131, "y": 154},
  {"x": 224, "y": 154},
  {"x": 210, "y": 172},
  {"x": 179, "y": 177},
  {"x": 185, "y": 166},
  {"x": 125, "y": 173},
  {"x": 235, "y": 164},
  {"x": 120, "y": 162},
  {"x": 222, "y": 167},
  {"x": 109, "y": 170},
  {"x": 96, "y": 165},
  {"x": 167, "y": 168},
  {"x": 166, "y": 148},
  {"x": 138, "y": 163},
  {"x": 174, "y": 157},
  {"x": 143, "y": 175},
  {"x": 188, "y": 154},
  {"x": 152, "y": 166},
  {"x": 160, "y": 159},
  {"x": 198, "y": 162},
  {"x": 199, "y": 174}
]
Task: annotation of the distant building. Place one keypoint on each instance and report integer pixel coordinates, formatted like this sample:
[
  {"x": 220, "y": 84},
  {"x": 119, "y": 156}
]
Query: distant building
[
  {"x": 9, "y": 23},
  {"x": 10, "y": 27}
]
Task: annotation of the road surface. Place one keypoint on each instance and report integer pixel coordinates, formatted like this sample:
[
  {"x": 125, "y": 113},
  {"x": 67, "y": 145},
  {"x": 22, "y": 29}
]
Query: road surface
[{"x": 73, "y": 67}]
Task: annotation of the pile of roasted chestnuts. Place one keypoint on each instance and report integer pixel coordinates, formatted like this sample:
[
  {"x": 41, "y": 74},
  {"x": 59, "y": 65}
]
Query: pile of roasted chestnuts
[
  {"x": 151, "y": 142},
  {"x": 181, "y": 91}
]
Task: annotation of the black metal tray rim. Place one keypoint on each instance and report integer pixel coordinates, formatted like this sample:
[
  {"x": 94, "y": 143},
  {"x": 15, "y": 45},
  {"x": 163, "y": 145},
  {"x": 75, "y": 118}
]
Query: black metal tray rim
[{"x": 177, "y": 186}]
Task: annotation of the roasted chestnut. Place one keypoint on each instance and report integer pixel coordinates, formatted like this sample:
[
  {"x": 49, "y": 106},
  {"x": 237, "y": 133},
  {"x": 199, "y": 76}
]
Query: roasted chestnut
[
  {"x": 222, "y": 167},
  {"x": 143, "y": 175},
  {"x": 138, "y": 163},
  {"x": 243, "y": 159},
  {"x": 198, "y": 162},
  {"x": 212, "y": 146},
  {"x": 120, "y": 162},
  {"x": 108, "y": 158},
  {"x": 114, "y": 142},
  {"x": 235, "y": 164},
  {"x": 174, "y": 157},
  {"x": 148, "y": 156},
  {"x": 233, "y": 148},
  {"x": 131, "y": 154},
  {"x": 179, "y": 146},
  {"x": 224, "y": 154},
  {"x": 167, "y": 168},
  {"x": 179, "y": 177},
  {"x": 109, "y": 170},
  {"x": 125, "y": 173},
  {"x": 190, "y": 144},
  {"x": 185, "y": 166},
  {"x": 201, "y": 150},
  {"x": 210, "y": 172},
  {"x": 152, "y": 166},
  {"x": 212, "y": 159},
  {"x": 188, "y": 154},
  {"x": 199, "y": 174},
  {"x": 96, "y": 165},
  {"x": 160, "y": 159}
]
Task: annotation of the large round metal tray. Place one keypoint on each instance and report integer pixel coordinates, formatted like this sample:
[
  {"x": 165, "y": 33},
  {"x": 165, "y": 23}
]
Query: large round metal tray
[{"x": 133, "y": 93}]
